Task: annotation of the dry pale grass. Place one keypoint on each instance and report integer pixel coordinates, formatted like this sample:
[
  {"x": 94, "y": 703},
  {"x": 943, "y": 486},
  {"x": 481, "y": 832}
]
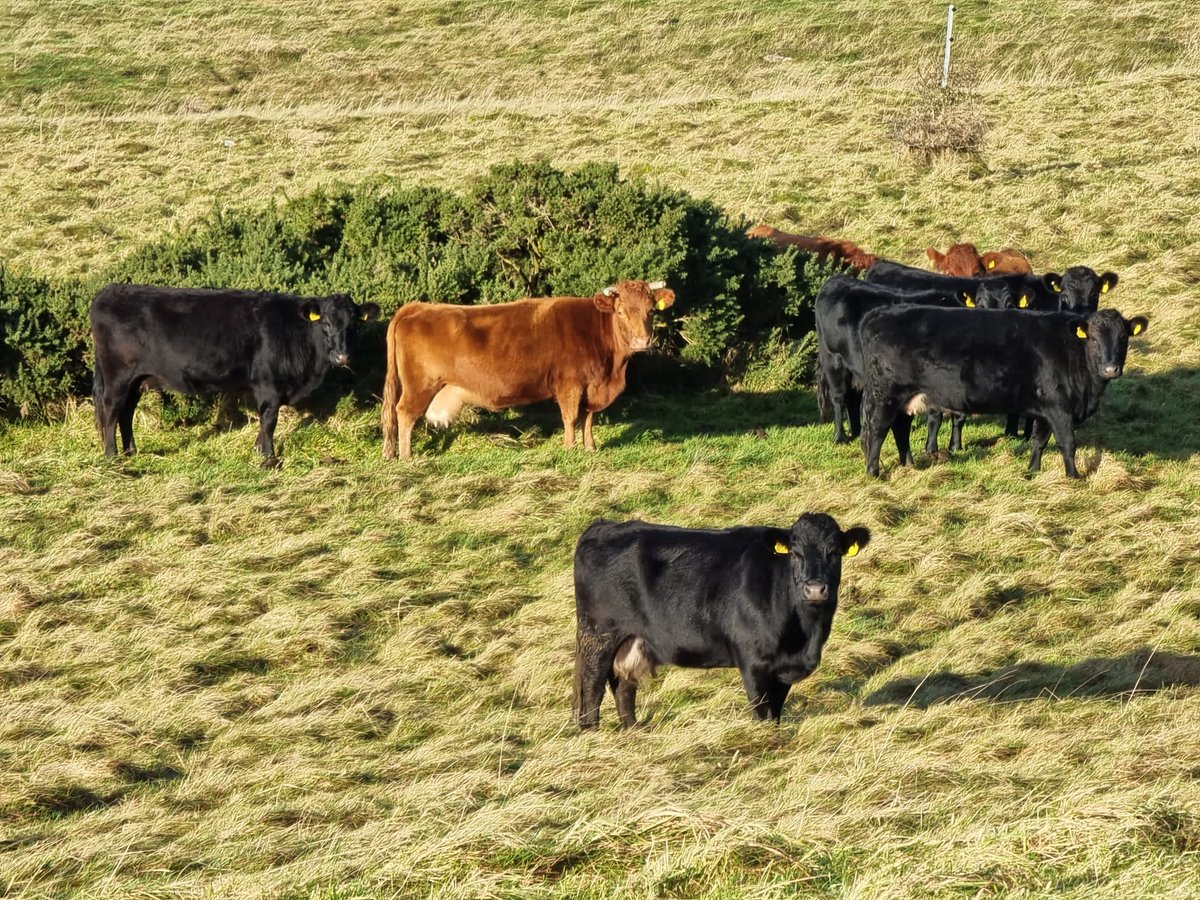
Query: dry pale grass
[{"x": 351, "y": 679}]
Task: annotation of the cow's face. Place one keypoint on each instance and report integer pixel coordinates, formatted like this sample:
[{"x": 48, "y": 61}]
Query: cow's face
[
  {"x": 632, "y": 304},
  {"x": 1079, "y": 288},
  {"x": 1107, "y": 335},
  {"x": 815, "y": 548},
  {"x": 337, "y": 318},
  {"x": 996, "y": 293}
]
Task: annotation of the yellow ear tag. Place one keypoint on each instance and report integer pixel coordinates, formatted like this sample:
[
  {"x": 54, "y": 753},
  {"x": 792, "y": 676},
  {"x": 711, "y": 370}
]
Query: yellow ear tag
[
  {"x": 1080, "y": 333},
  {"x": 852, "y": 550},
  {"x": 780, "y": 547},
  {"x": 1057, "y": 287},
  {"x": 363, "y": 317},
  {"x": 1104, "y": 287},
  {"x": 661, "y": 304},
  {"x": 1023, "y": 302},
  {"x": 1137, "y": 327},
  {"x": 314, "y": 317},
  {"x": 991, "y": 264},
  {"x": 970, "y": 301}
]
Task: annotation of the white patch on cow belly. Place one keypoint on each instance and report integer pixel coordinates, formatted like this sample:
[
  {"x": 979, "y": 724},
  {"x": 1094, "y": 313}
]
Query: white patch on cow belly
[
  {"x": 917, "y": 406},
  {"x": 447, "y": 404},
  {"x": 634, "y": 661}
]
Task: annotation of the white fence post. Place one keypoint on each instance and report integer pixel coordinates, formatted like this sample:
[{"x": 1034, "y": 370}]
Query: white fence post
[{"x": 949, "y": 40}]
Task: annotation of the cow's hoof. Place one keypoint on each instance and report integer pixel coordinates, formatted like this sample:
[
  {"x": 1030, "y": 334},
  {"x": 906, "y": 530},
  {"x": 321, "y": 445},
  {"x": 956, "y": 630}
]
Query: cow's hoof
[{"x": 272, "y": 462}]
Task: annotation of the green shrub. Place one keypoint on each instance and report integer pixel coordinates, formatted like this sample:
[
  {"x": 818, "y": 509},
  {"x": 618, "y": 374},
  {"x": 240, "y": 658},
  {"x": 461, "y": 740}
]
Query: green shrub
[{"x": 524, "y": 229}]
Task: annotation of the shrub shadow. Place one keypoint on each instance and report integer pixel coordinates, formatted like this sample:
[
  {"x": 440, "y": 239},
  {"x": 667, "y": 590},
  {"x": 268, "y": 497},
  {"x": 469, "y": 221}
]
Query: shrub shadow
[{"x": 1142, "y": 671}]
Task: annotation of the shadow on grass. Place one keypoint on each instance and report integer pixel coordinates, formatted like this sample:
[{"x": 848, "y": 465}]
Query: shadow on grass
[
  {"x": 1150, "y": 415},
  {"x": 1139, "y": 672}
]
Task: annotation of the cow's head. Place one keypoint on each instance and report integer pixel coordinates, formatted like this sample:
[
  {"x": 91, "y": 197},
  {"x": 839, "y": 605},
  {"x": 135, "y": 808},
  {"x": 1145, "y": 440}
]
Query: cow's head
[
  {"x": 632, "y": 304},
  {"x": 815, "y": 547},
  {"x": 995, "y": 293},
  {"x": 1079, "y": 288},
  {"x": 1107, "y": 334},
  {"x": 335, "y": 320},
  {"x": 961, "y": 260}
]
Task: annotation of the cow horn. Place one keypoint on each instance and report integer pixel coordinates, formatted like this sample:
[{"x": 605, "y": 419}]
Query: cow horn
[
  {"x": 610, "y": 291},
  {"x": 657, "y": 285}
]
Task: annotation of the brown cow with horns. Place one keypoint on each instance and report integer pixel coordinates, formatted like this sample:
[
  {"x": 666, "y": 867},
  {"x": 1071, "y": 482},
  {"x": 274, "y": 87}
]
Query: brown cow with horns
[{"x": 442, "y": 357}]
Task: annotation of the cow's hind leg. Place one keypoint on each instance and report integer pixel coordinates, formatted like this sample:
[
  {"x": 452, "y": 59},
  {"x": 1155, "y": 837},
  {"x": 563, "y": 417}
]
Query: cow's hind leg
[
  {"x": 625, "y": 693},
  {"x": 879, "y": 413},
  {"x": 957, "y": 420},
  {"x": 854, "y": 400},
  {"x": 413, "y": 403},
  {"x": 593, "y": 667},
  {"x": 125, "y": 418},
  {"x": 902, "y": 432},
  {"x": 933, "y": 425}
]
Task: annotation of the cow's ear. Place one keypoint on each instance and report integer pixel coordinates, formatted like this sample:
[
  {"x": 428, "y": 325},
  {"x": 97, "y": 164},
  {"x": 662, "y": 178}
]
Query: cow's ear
[
  {"x": 1108, "y": 281},
  {"x": 966, "y": 298},
  {"x": 1138, "y": 325},
  {"x": 368, "y": 312},
  {"x": 935, "y": 256},
  {"x": 855, "y": 539},
  {"x": 310, "y": 311},
  {"x": 663, "y": 298},
  {"x": 1079, "y": 327},
  {"x": 606, "y": 300},
  {"x": 1053, "y": 281}
]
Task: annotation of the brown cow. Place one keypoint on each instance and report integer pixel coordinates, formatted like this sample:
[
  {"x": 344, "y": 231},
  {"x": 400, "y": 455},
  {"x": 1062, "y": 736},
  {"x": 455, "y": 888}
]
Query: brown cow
[
  {"x": 823, "y": 248},
  {"x": 965, "y": 261},
  {"x": 572, "y": 349}
]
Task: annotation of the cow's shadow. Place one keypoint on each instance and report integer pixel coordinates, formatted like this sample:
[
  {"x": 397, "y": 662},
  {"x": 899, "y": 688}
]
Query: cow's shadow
[
  {"x": 1138, "y": 672},
  {"x": 1149, "y": 414}
]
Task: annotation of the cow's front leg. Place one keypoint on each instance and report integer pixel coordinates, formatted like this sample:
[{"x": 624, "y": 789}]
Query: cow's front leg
[
  {"x": 761, "y": 690},
  {"x": 1064, "y": 435},
  {"x": 268, "y": 412},
  {"x": 1037, "y": 443},
  {"x": 569, "y": 399}
]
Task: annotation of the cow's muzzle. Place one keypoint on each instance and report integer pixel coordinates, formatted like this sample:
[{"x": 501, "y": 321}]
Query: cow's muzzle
[
  {"x": 816, "y": 591},
  {"x": 340, "y": 359},
  {"x": 1110, "y": 371},
  {"x": 639, "y": 343}
]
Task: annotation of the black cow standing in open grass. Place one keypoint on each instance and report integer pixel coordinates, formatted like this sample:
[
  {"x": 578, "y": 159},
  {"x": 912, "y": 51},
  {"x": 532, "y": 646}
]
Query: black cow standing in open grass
[
  {"x": 1038, "y": 290},
  {"x": 190, "y": 340},
  {"x": 756, "y": 598},
  {"x": 840, "y": 306},
  {"x": 1055, "y": 366}
]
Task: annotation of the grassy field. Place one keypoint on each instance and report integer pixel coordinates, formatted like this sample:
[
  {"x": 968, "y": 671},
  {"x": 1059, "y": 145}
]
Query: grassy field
[{"x": 348, "y": 678}]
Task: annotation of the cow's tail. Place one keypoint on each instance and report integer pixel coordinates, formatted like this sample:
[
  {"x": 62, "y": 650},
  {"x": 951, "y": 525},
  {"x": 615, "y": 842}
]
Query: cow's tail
[
  {"x": 391, "y": 392},
  {"x": 97, "y": 393},
  {"x": 824, "y": 402}
]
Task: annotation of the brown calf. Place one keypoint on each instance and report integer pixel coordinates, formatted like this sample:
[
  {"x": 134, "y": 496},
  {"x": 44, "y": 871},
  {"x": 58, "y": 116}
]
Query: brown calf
[
  {"x": 442, "y": 357},
  {"x": 965, "y": 261}
]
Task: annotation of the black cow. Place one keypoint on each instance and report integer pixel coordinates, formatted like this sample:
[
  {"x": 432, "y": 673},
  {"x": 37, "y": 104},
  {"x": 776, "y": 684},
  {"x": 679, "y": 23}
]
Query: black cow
[
  {"x": 840, "y": 306},
  {"x": 278, "y": 346},
  {"x": 1055, "y": 366},
  {"x": 759, "y": 599},
  {"x": 1079, "y": 288},
  {"x": 1032, "y": 291}
]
